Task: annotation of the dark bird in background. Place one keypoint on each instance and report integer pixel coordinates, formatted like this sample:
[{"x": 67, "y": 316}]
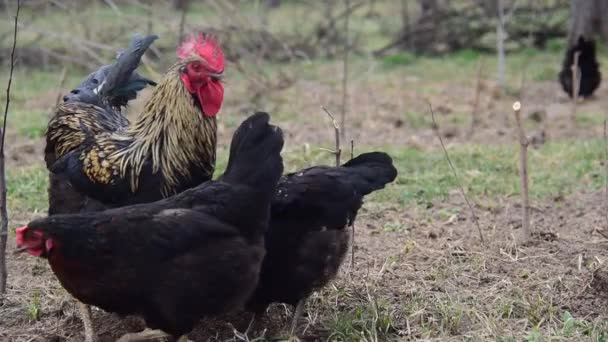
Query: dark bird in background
[
  {"x": 589, "y": 76},
  {"x": 307, "y": 237},
  {"x": 97, "y": 159},
  {"x": 177, "y": 260}
]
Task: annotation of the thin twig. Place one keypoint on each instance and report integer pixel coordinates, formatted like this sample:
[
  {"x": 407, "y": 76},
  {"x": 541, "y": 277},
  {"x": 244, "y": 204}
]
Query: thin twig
[
  {"x": 182, "y": 22},
  {"x": 475, "y": 111},
  {"x": 606, "y": 173},
  {"x": 345, "y": 71},
  {"x": 62, "y": 78},
  {"x": 447, "y": 157},
  {"x": 3, "y": 213},
  {"x": 337, "y": 151},
  {"x": 576, "y": 85},
  {"x": 523, "y": 164},
  {"x": 352, "y": 238}
]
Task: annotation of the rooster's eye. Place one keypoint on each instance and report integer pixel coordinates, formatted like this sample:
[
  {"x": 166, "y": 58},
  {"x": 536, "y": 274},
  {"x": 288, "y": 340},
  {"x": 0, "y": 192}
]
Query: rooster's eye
[{"x": 196, "y": 67}]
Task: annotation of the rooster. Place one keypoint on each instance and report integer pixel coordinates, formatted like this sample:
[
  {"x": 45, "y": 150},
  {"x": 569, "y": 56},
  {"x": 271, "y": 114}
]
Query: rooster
[
  {"x": 177, "y": 260},
  {"x": 167, "y": 149},
  {"x": 111, "y": 87},
  {"x": 306, "y": 240},
  {"x": 98, "y": 159},
  {"x": 589, "y": 69}
]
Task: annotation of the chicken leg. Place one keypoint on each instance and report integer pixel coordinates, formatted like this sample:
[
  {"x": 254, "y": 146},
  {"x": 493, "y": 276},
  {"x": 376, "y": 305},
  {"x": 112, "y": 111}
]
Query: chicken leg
[
  {"x": 87, "y": 321},
  {"x": 296, "y": 316}
]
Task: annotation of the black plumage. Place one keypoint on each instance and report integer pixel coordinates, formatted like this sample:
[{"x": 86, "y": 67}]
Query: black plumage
[
  {"x": 112, "y": 86},
  {"x": 176, "y": 260},
  {"x": 590, "y": 76},
  {"x": 307, "y": 237}
]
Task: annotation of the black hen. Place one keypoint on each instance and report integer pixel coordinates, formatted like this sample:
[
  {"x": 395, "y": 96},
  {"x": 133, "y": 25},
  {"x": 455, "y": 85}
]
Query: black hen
[
  {"x": 307, "y": 240},
  {"x": 590, "y": 76},
  {"x": 176, "y": 260}
]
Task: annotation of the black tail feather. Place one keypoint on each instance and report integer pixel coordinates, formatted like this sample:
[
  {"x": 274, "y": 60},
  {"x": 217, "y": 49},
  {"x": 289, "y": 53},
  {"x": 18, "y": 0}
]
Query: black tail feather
[
  {"x": 371, "y": 171},
  {"x": 255, "y": 158},
  {"x": 117, "y": 83}
]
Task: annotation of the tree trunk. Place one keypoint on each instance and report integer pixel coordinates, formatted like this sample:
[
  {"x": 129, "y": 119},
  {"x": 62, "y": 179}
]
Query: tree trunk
[{"x": 588, "y": 18}]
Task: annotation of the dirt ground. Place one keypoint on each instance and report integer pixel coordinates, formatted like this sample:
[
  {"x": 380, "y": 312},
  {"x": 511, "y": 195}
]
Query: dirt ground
[
  {"x": 433, "y": 262},
  {"x": 431, "y": 278}
]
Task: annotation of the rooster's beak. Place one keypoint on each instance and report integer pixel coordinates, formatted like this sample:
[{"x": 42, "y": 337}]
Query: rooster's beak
[
  {"x": 19, "y": 250},
  {"x": 216, "y": 76}
]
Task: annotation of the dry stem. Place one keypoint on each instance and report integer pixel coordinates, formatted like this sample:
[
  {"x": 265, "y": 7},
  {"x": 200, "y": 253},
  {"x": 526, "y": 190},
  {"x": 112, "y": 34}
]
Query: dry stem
[
  {"x": 447, "y": 157},
  {"x": 345, "y": 70},
  {"x": 337, "y": 152},
  {"x": 62, "y": 79},
  {"x": 182, "y": 23},
  {"x": 475, "y": 111},
  {"x": 606, "y": 174},
  {"x": 576, "y": 85},
  {"x": 3, "y": 213},
  {"x": 352, "y": 238},
  {"x": 523, "y": 155}
]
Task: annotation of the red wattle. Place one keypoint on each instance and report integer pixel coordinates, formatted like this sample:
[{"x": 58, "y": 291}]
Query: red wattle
[
  {"x": 19, "y": 235},
  {"x": 211, "y": 96}
]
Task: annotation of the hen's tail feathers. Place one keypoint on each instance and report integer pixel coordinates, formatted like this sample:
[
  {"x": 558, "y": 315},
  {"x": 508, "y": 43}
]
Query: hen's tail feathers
[
  {"x": 370, "y": 171},
  {"x": 117, "y": 83},
  {"x": 255, "y": 154}
]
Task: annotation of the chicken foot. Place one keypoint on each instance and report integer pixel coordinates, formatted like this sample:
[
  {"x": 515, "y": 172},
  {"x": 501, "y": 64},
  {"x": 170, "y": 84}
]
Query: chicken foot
[
  {"x": 87, "y": 321},
  {"x": 150, "y": 335}
]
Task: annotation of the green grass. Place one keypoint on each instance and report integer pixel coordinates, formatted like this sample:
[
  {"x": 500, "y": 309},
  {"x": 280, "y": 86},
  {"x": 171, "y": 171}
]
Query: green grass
[
  {"x": 485, "y": 171},
  {"x": 492, "y": 171},
  {"x": 26, "y": 189}
]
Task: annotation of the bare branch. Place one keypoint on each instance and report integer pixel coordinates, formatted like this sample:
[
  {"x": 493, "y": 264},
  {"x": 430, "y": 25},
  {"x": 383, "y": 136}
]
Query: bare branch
[
  {"x": 475, "y": 111},
  {"x": 447, "y": 157},
  {"x": 3, "y": 212},
  {"x": 62, "y": 79},
  {"x": 576, "y": 85},
  {"x": 337, "y": 151},
  {"x": 523, "y": 159},
  {"x": 345, "y": 70},
  {"x": 352, "y": 237},
  {"x": 606, "y": 174},
  {"x": 182, "y": 22}
]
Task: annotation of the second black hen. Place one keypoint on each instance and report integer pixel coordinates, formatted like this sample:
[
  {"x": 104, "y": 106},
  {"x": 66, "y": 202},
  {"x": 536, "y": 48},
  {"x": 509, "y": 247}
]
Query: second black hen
[
  {"x": 176, "y": 260},
  {"x": 590, "y": 76},
  {"x": 307, "y": 237}
]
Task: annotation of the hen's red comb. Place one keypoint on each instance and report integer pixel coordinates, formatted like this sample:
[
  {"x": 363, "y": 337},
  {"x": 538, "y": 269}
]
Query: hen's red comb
[{"x": 206, "y": 47}]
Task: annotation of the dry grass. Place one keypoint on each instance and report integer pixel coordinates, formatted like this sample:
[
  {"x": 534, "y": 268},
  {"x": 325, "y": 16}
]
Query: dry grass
[{"x": 420, "y": 274}]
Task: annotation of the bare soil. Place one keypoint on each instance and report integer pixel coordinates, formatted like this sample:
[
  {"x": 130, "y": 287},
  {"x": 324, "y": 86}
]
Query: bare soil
[
  {"x": 423, "y": 268},
  {"x": 435, "y": 260}
]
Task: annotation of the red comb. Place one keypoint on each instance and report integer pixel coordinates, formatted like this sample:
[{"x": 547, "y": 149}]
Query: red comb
[{"x": 206, "y": 47}]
